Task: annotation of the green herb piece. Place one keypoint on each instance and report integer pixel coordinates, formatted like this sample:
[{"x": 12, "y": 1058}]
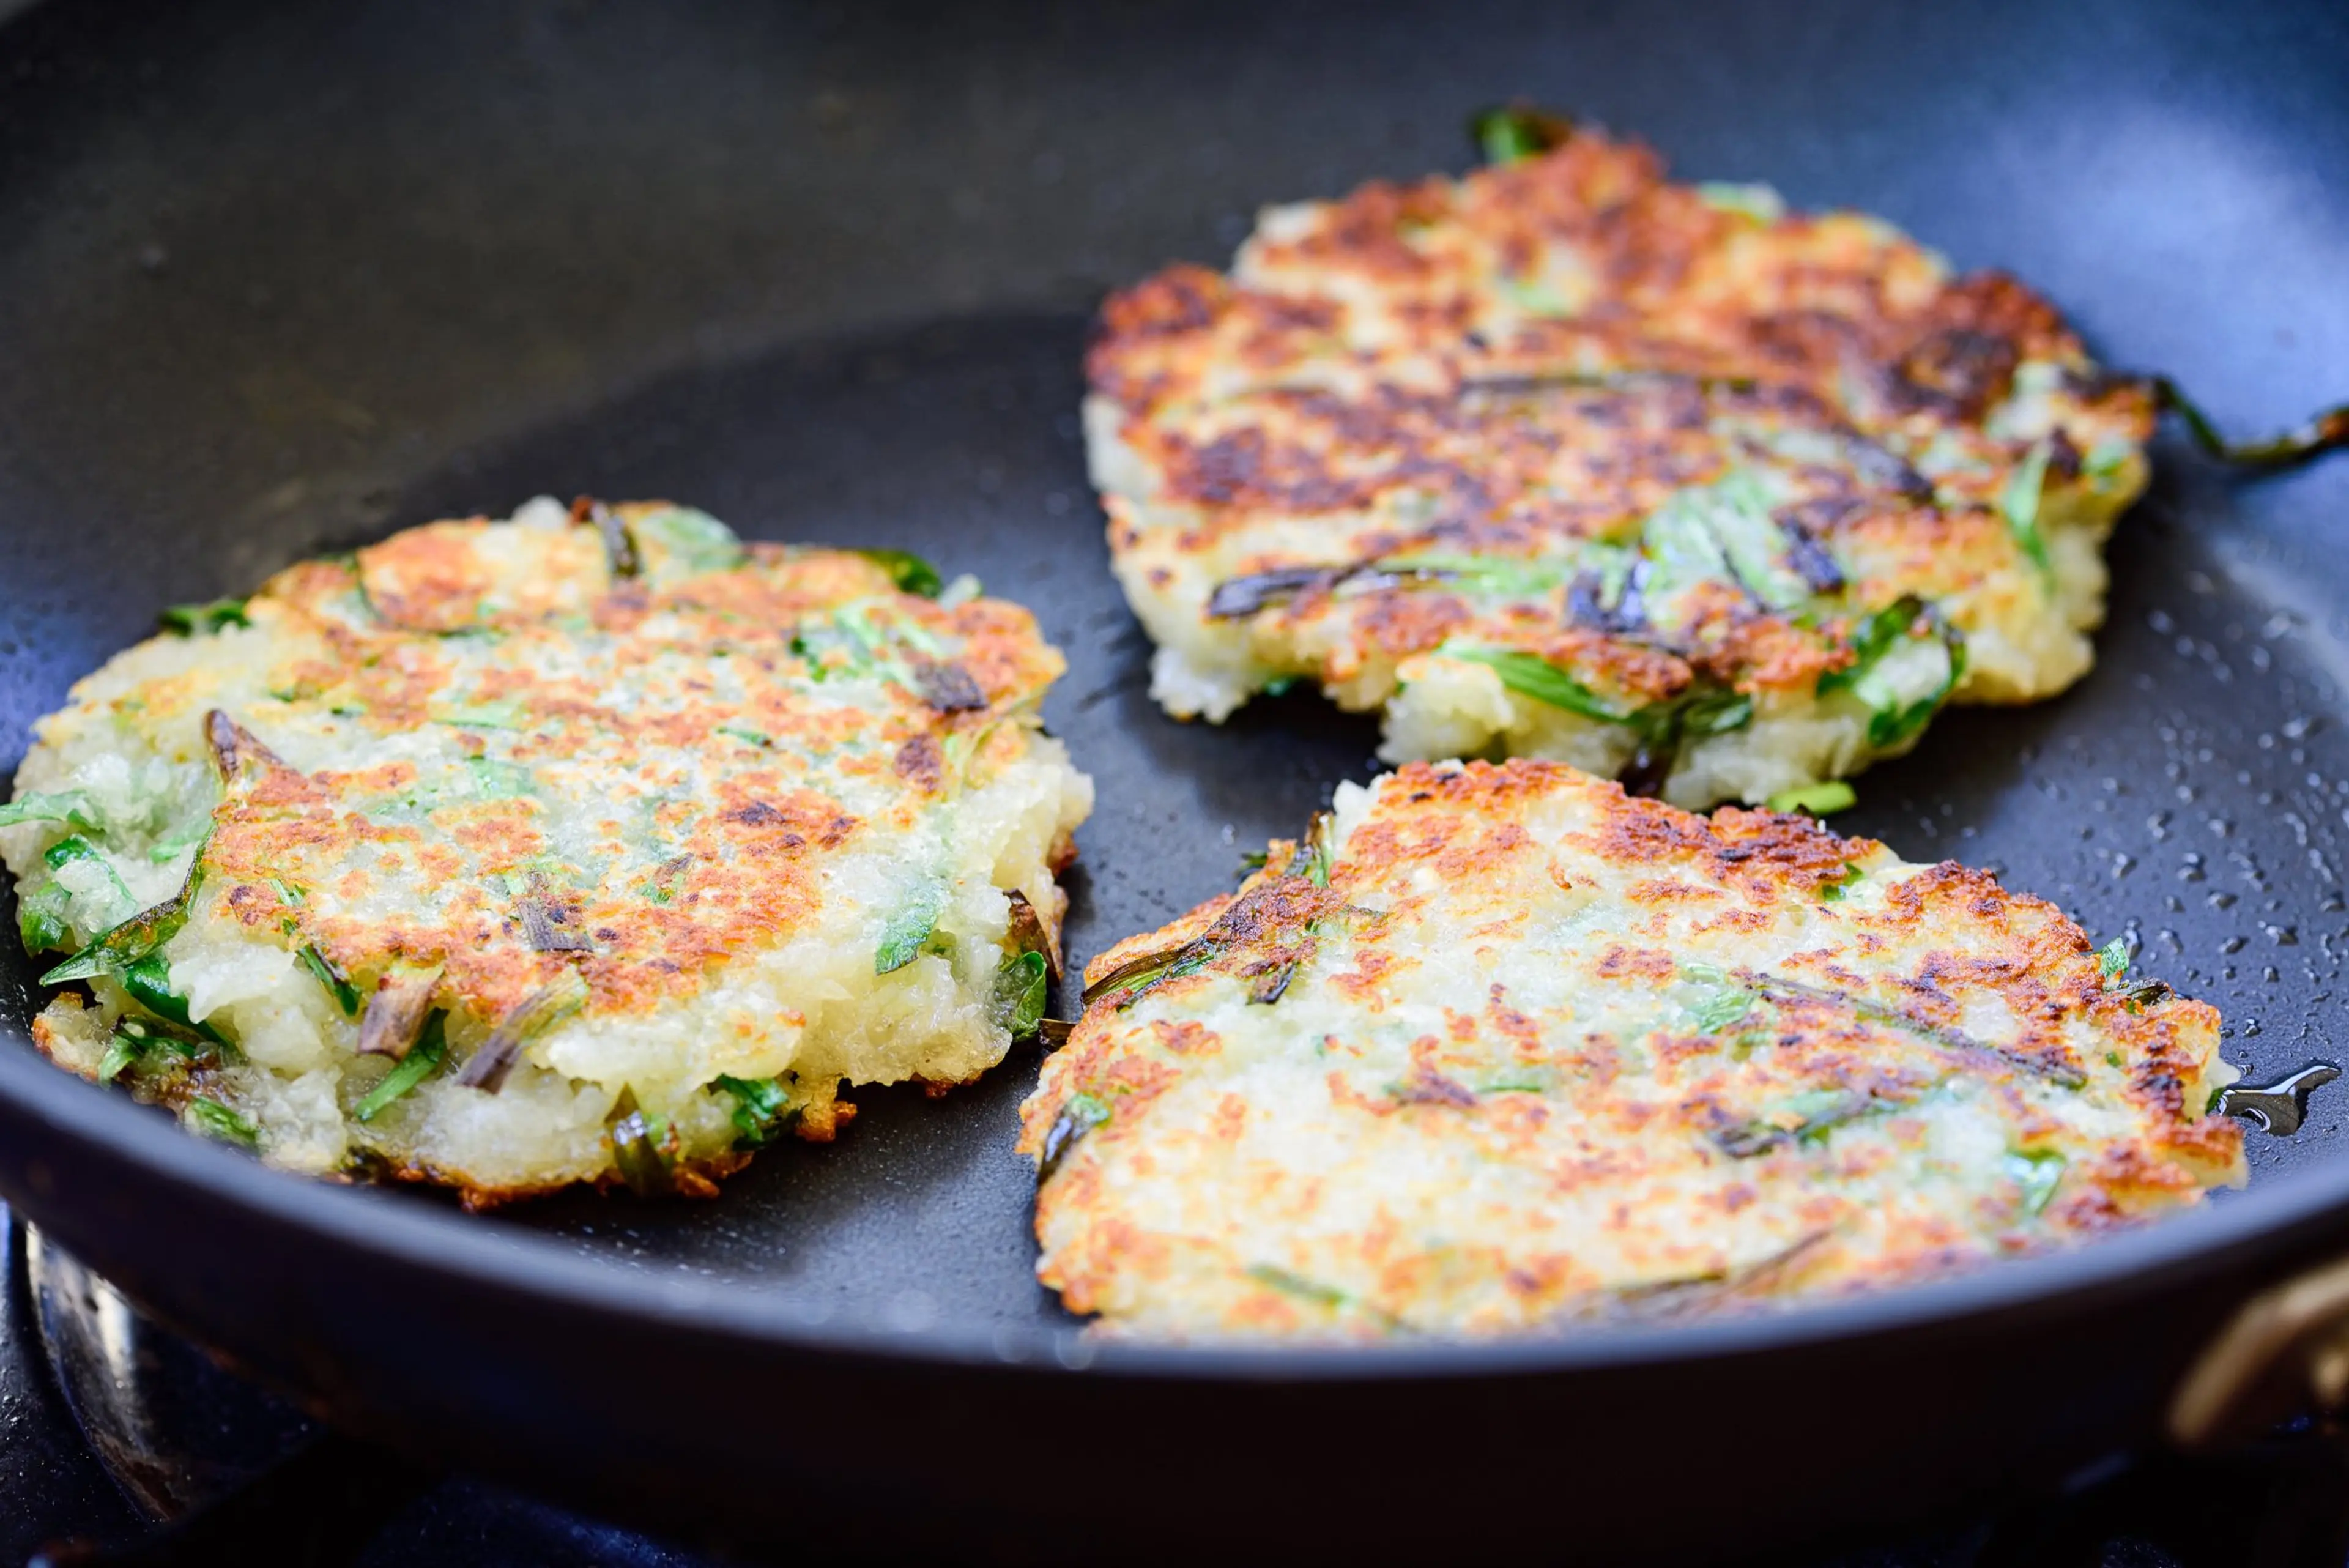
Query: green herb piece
[
  {"x": 908, "y": 932},
  {"x": 747, "y": 735},
  {"x": 494, "y": 780},
  {"x": 1818, "y": 799},
  {"x": 1717, "y": 1012},
  {"x": 2112, "y": 1058},
  {"x": 1903, "y": 678},
  {"x": 1531, "y": 675},
  {"x": 2326, "y": 431},
  {"x": 680, "y": 541},
  {"x": 1256, "y": 860},
  {"x": 644, "y": 1147},
  {"x": 1760, "y": 203},
  {"x": 423, "y": 1059},
  {"x": 1516, "y": 130},
  {"x": 2020, "y": 503},
  {"x": 1536, "y": 298},
  {"x": 66, "y": 806},
  {"x": 203, "y": 619},
  {"x": 1021, "y": 987},
  {"x": 121, "y": 1052},
  {"x": 2105, "y": 460},
  {"x": 2038, "y": 1172},
  {"x": 147, "y": 979},
  {"x": 174, "y": 844},
  {"x": 2113, "y": 958},
  {"x": 512, "y": 715},
  {"x": 1294, "y": 1284},
  {"x": 330, "y": 975},
  {"x": 43, "y": 918},
  {"x": 912, "y": 573},
  {"x": 73, "y": 849},
  {"x": 1832, "y": 892},
  {"x": 1518, "y": 1084},
  {"x": 215, "y": 1120},
  {"x": 1280, "y": 686},
  {"x": 1320, "y": 855},
  {"x": 1707, "y": 713},
  {"x": 762, "y": 1112},
  {"x": 1080, "y": 1114}
]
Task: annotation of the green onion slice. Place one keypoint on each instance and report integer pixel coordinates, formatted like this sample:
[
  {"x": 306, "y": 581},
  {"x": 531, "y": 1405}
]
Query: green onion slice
[
  {"x": 215, "y": 1120},
  {"x": 423, "y": 1059},
  {"x": 1513, "y": 132}
]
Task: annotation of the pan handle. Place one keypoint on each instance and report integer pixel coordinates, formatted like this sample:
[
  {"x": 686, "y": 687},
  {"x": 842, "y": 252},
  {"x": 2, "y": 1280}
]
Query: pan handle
[{"x": 2285, "y": 1351}]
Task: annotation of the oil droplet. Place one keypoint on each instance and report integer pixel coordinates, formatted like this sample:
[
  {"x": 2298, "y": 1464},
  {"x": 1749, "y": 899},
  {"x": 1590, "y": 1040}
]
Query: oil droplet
[{"x": 2279, "y": 1108}]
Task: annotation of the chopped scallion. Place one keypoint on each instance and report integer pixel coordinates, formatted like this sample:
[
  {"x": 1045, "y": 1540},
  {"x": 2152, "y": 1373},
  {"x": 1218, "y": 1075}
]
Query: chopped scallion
[
  {"x": 1818, "y": 799},
  {"x": 423, "y": 1059},
  {"x": 215, "y": 1120}
]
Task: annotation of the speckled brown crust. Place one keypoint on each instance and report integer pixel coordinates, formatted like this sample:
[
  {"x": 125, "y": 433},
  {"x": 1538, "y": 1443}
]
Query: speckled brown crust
[
  {"x": 1541, "y": 1053},
  {"x": 742, "y": 810},
  {"x": 1523, "y": 366}
]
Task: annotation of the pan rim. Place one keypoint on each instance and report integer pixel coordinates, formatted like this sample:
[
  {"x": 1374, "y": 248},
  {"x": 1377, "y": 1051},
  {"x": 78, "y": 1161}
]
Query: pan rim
[{"x": 560, "y": 1278}]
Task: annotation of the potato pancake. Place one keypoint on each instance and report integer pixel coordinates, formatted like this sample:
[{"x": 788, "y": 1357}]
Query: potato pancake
[
  {"x": 591, "y": 845},
  {"x": 1500, "y": 1048},
  {"x": 1565, "y": 460}
]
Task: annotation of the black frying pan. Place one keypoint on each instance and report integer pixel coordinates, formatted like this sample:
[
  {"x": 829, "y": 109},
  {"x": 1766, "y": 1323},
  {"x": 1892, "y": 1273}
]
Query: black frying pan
[{"x": 275, "y": 279}]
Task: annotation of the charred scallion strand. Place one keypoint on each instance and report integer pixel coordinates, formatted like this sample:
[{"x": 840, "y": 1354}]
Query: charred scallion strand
[
  {"x": 762, "y": 1111},
  {"x": 1054, "y": 1032},
  {"x": 549, "y": 1005},
  {"x": 1273, "y": 983},
  {"x": 1805, "y": 1118},
  {"x": 1239, "y": 596},
  {"x": 2327, "y": 431},
  {"x": 234, "y": 747},
  {"x": 644, "y": 1148},
  {"x": 395, "y": 1013},
  {"x": 118, "y": 949},
  {"x": 420, "y": 1063},
  {"x": 1516, "y": 130},
  {"x": 1028, "y": 933},
  {"x": 544, "y": 923},
  {"x": 1080, "y": 1114},
  {"x": 949, "y": 687},
  {"x": 619, "y": 547}
]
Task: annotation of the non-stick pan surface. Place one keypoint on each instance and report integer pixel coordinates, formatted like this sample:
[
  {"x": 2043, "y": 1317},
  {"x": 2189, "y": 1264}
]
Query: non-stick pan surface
[{"x": 275, "y": 279}]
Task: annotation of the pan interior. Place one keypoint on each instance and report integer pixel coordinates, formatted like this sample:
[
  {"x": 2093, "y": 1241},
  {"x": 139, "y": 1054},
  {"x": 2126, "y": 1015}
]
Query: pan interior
[
  {"x": 2190, "y": 795},
  {"x": 266, "y": 264}
]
